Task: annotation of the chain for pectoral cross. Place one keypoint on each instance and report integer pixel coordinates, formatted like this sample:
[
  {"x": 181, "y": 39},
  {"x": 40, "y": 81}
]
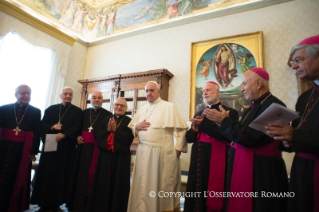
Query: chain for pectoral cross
[
  {"x": 60, "y": 118},
  {"x": 91, "y": 128},
  {"x": 304, "y": 115},
  {"x": 17, "y": 130},
  {"x": 151, "y": 111}
]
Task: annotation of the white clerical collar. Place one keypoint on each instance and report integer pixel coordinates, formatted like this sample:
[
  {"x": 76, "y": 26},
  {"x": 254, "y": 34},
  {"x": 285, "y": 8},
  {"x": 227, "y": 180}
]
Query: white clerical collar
[
  {"x": 316, "y": 82},
  {"x": 155, "y": 102}
]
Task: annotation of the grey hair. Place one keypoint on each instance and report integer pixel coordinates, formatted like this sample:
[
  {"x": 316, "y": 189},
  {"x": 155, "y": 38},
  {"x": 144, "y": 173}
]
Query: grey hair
[
  {"x": 66, "y": 87},
  {"x": 97, "y": 92},
  {"x": 20, "y": 86},
  {"x": 311, "y": 49},
  {"x": 157, "y": 85},
  {"x": 123, "y": 99}
]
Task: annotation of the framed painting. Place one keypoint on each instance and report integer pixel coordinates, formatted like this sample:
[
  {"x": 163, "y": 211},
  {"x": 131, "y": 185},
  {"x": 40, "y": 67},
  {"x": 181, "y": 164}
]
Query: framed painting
[{"x": 224, "y": 60}]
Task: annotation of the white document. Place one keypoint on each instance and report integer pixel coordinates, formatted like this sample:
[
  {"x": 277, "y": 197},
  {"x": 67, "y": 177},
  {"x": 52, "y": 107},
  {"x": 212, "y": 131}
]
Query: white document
[
  {"x": 50, "y": 144},
  {"x": 274, "y": 113}
]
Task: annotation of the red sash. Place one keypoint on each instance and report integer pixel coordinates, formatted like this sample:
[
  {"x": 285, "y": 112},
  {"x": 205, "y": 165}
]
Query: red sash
[
  {"x": 88, "y": 137},
  {"x": 242, "y": 176},
  {"x": 21, "y": 183},
  {"x": 216, "y": 171},
  {"x": 315, "y": 177}
]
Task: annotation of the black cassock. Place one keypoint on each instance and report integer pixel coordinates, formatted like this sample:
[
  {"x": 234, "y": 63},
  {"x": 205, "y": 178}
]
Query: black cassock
[
  {"x": 304, "y": 174},
  {"x": 55, "y": 168},
  {"x": 15, "y": 170},
  {"x": 199, "y": 169},
  {"x": 111, "y": 183},
  {"x": 82, "y": 166},
  {"x": 265, "y": 170}
]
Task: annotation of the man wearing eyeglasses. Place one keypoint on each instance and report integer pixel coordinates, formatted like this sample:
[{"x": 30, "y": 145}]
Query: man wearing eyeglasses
[
  {"x": 303, "y": 136},
  {"x": 87, "y": 153},
  {"x": 19, "y": 143},
  {"x": 111, "y": 183}
]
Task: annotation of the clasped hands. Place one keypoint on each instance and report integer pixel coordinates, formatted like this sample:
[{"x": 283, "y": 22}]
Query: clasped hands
[{"x": 111, "y": 127}]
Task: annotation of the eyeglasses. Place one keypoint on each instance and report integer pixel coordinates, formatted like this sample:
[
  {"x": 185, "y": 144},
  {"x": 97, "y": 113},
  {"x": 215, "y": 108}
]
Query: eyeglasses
[
  {"x": 25, "y": 93},
  {"x": 298, "y": 60},
  {"x": 119, "y": 105}
]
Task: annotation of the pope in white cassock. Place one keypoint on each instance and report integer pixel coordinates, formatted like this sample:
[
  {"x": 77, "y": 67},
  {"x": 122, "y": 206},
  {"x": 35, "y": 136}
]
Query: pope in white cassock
[{"x": 157, "y": 166}]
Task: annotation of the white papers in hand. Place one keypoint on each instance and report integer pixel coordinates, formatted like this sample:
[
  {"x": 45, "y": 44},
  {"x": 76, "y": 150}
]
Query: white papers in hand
[
  {"x": 50, "y": 144},
  {"x": 274, "y": 113}
]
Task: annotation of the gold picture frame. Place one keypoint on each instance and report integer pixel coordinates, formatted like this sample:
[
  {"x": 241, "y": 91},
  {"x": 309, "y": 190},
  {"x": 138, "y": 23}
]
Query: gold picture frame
[{"x": 207, "y": 64}]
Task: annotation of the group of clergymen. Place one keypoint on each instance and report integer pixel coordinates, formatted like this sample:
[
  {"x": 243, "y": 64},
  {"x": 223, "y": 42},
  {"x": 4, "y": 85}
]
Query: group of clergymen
[{"x": 233, "y": 167}]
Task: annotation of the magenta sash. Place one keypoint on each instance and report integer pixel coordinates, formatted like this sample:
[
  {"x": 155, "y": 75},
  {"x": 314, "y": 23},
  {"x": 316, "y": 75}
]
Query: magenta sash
[
  {"x": 315, "y": 177},
  {"x": 88, "y": 137},
  {"x": 242, "y": 176},
  {"x": 216, "y": 171},
  {"x": 21, "y": 183}
]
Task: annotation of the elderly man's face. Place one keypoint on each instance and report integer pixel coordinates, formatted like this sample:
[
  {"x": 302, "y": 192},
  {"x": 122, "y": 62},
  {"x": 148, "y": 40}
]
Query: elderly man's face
[
  {"x": 210, "y": 93},
  {"x": 66, "y": 96},
  {"x": 152, "y": 92},
  {"x": 24, "y": 95},
  {"x": 97, "y": 100},
  {"x": 120, "y": 107},
  {"x": 249, "y": 86},
  {"x": 308, "y": 67}
]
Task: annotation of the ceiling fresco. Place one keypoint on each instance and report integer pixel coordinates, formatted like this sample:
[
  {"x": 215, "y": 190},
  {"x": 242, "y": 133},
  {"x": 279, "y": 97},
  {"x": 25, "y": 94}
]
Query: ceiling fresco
[
  {"x": 96, "y": 20},
  {"x": 93, "y": 19}
]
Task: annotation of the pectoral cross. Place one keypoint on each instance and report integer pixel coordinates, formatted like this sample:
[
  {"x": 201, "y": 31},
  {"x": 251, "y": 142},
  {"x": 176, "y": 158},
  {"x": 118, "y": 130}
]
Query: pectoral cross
[
  {"x": 17, "y": 130},
  {"x": 90, "y": 128}
]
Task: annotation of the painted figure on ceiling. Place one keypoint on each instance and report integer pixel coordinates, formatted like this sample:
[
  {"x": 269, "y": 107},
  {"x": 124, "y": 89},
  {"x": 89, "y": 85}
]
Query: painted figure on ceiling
[
  {"x": 103, "y": 24},
  {"x": 78, "y": 19},
  {"x": 68, "y": 15},
  {"x": 110, "y": 21},
  {"x": 172, "y": 8}
]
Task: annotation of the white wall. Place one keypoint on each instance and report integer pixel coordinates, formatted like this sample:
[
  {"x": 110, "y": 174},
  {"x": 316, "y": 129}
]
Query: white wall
[{"x": 283, "y": 26}]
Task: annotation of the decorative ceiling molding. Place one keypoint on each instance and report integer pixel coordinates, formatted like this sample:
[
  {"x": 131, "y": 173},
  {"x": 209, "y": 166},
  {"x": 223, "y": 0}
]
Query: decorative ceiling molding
[
  {"x": 31, "y": 20},
  {"x": 52, "y": 26}
]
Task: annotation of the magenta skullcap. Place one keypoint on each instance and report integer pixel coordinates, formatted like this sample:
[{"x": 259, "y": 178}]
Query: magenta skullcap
[
  {"x": 212, "y": 82},
  {"x": 311, "y": 40},
  {"x": 261, "y": 72}
]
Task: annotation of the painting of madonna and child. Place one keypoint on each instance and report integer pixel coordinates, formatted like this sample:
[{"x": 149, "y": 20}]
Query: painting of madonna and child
[{"x": 225, "y": 64}]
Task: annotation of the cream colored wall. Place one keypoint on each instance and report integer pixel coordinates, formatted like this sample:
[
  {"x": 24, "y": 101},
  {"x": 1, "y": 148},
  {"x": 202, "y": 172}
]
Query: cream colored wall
[
  {"x": 75, "y": 70},
  {"x": 283, "y": 26}
]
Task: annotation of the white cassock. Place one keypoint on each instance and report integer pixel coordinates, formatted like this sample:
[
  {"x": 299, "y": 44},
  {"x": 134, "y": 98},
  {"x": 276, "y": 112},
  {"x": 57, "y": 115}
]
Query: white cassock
[{"x": 157, "y": 167}]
